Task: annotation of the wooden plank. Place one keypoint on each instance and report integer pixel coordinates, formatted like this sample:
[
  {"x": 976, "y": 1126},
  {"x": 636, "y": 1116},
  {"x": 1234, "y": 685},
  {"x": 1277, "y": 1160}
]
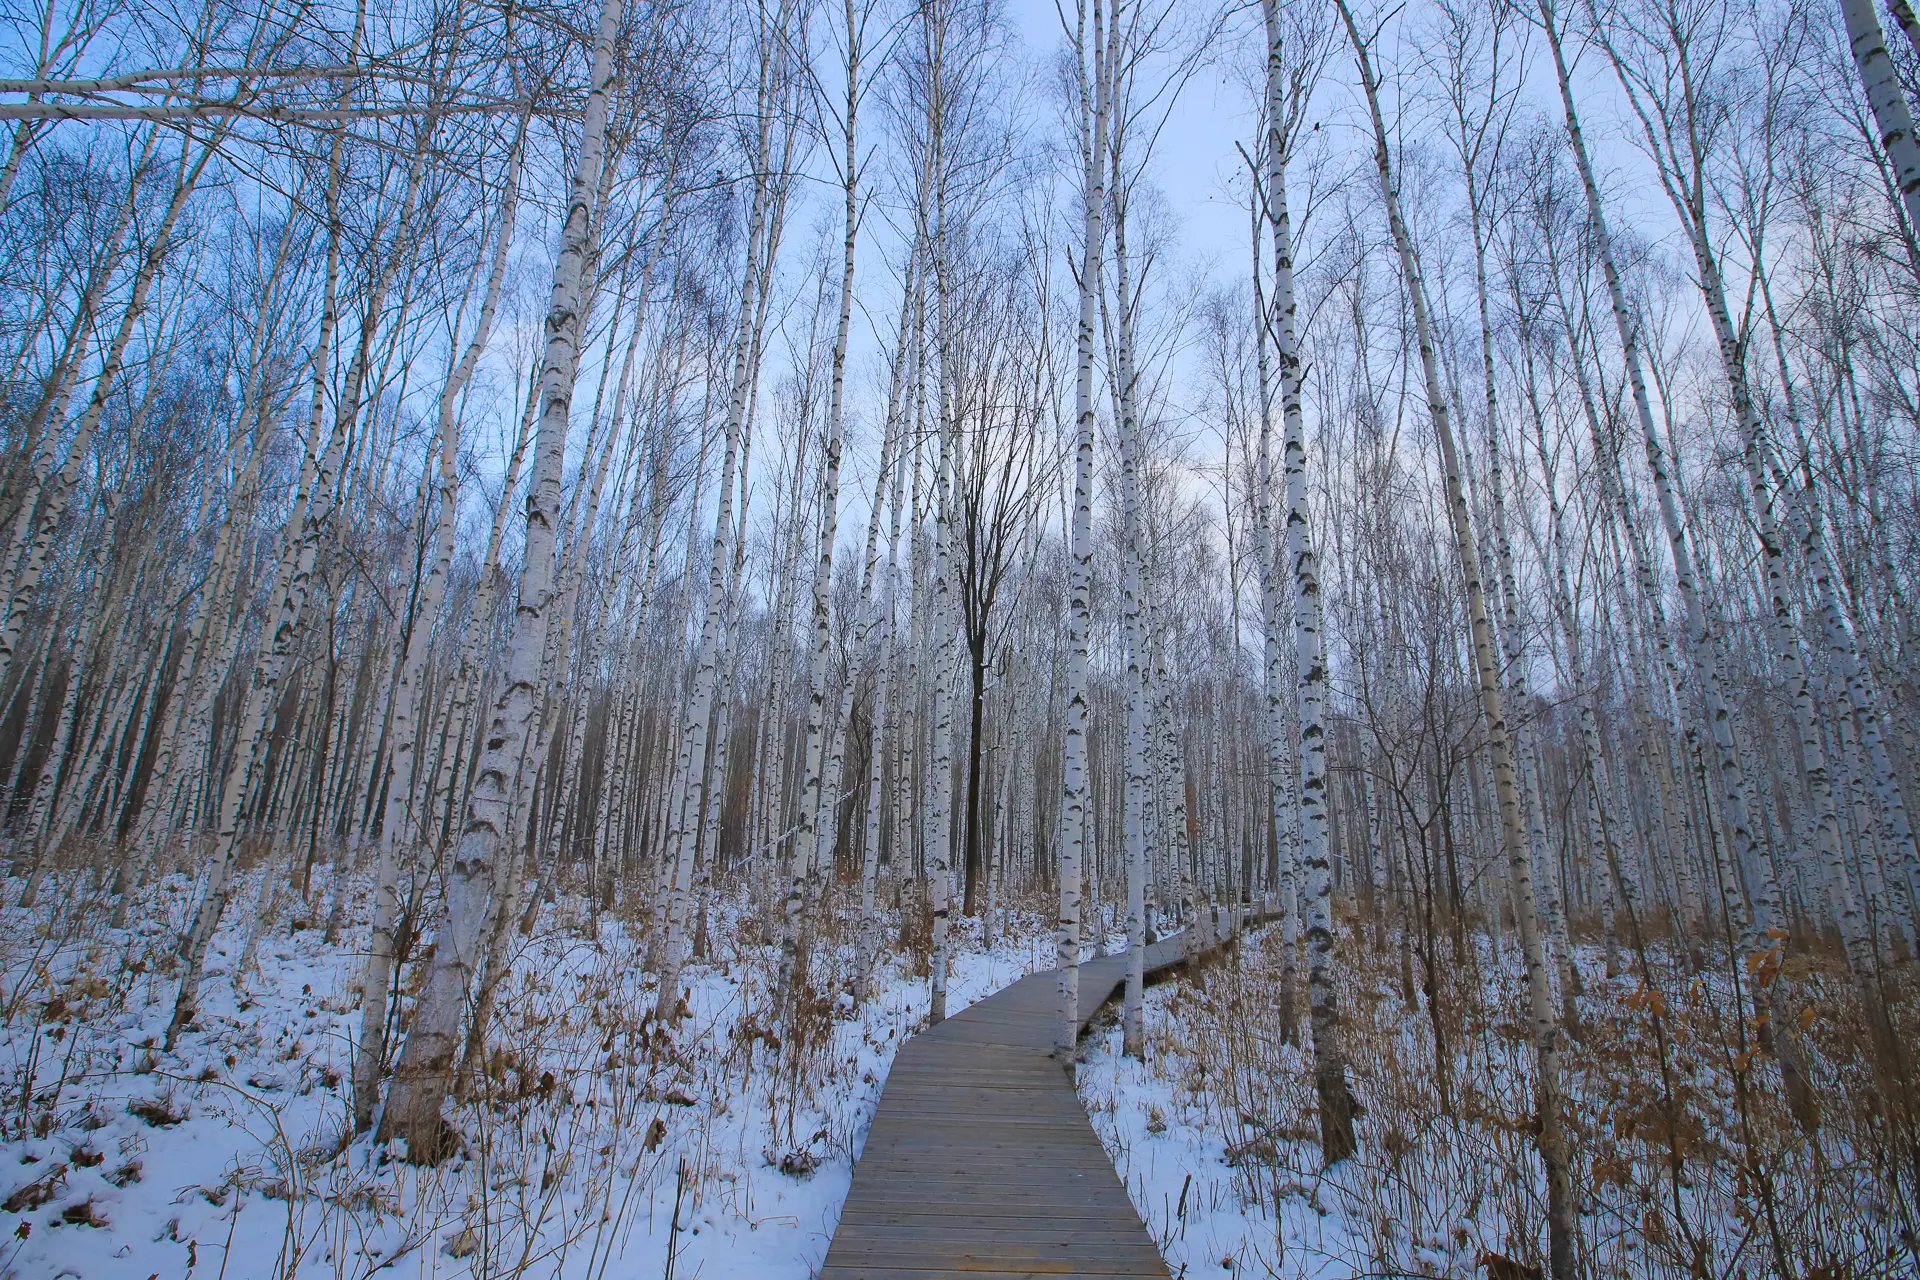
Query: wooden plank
[
  {"x": 968, "y": 1171},
  {"x": 985, "y": 1193},
  {"x": 916, "y": 1273},
  {"x": 1022, "y": 1236},
  {"x": 991, "y": 1209},
  {"x": 980, "y": 1159},
  {"x": 1146, "y": 1263},
  {"x": 984, "y": 1204},
  {"x": 928, "y": 1162}
]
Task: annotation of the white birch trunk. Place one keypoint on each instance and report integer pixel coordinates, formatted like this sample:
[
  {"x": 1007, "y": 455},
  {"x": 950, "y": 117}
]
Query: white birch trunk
[
  {"x": 1278, "y": 810},
  {"x": 205, "y": 629},
  {"x": 883, "y": 614},
  {"x": 1135, "y": 624},
  {"x": 1888, "y": 101},
  {"x": 26, "y": 574},
  {"x": 688, "y": 801},
  {"x": 1093, "y": 89},
  {"x": 1329, "y": 1045},
  {"x": 819, "y": 813},
  {"x": 423, "y": 1074},
  {"x": 299, "y": 551},
  {"x": 1550, "y": 1139},
  {"x": 1701, "y": 642},
  {"x": 85, "y": 641},
  {"x": 397, "y": 823},
  {"x": 448, "y": 787},
  {"x": 942, "y": 634}
]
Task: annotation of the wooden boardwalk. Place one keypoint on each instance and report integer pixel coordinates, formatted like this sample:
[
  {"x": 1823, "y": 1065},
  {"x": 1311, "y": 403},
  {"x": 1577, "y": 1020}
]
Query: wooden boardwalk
[{"x": 981, "y": 1160}]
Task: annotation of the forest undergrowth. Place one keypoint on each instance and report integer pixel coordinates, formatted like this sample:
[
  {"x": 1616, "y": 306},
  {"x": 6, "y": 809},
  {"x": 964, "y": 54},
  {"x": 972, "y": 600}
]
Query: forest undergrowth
[
  {"x": 1688, "y": 1161},
  {"x": 588, "y": 1132}
]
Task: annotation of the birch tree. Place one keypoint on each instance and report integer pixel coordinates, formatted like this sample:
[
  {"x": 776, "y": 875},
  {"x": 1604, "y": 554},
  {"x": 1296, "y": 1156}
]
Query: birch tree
[
  {"x": 1284, "y": 105},
  {"x": 1091, "y": 82},
  {"x": 1550, "y": 1140},
  {"x": 423, "y": 1074}
]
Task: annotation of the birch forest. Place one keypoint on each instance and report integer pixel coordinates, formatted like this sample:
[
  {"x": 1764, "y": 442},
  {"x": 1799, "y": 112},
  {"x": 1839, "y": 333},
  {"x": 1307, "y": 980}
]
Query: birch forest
[{"x": 575, "y": 572}]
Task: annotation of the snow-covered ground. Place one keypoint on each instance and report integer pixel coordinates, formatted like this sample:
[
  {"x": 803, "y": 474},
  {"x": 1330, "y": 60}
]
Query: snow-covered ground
[
  {"x": 1215, "y": 1133},
  {"x": 227, "y": 1158},
  {"x": 1164, "y": 1135},
  {"x": 1233, "y": 1186},
  {"x": 1212, "y": 1136},
  {"x": 596, "y": 1144}
]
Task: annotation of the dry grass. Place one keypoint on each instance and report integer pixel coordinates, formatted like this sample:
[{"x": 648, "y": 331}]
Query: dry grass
[{"x": 1687, "y": 1160}]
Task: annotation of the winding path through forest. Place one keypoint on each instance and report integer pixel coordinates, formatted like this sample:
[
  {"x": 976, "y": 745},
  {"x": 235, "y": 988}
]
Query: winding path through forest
[{"x": 981, "y": 1160}]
